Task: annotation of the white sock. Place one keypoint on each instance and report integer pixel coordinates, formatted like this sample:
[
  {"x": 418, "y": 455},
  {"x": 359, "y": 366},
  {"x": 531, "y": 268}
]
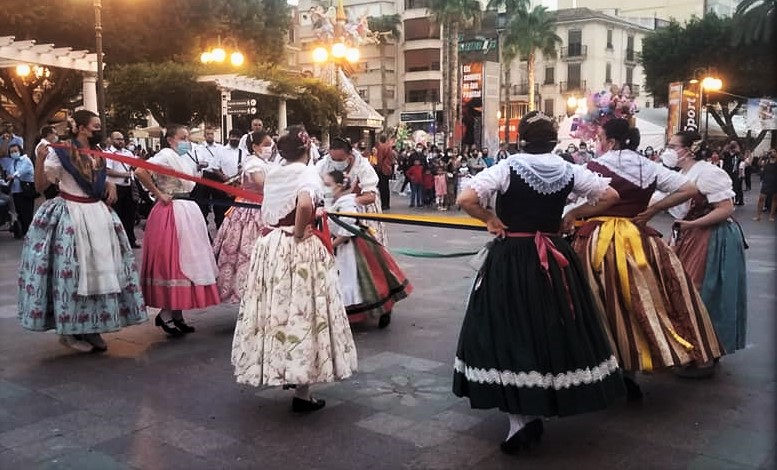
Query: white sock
[
  {"x": 177, "y": 315},
  {"x": 302, "y": 392},
  {"x": 517, "y": 422},
  {"x": 166, "y": 315}
]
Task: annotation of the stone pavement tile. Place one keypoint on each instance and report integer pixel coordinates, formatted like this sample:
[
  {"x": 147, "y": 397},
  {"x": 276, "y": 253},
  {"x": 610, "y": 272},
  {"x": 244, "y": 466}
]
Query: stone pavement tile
[
  {"x": 384, "y": 423},
  {"x": 85, "y": 460},
  {"x": 48, "y": 448},
  {"x": 29, "y": 408},
  {"x": 188, "y": 437},
  {"x": 703, "y": 462},
  {"x": 150, "y": 452},
  {"x": 79, "y": 426},
  {"x": 425, "y": 434},
  {"x": 739, "y": 445},
  {"x": 14, "y": 460},
  {"x": 456, "y": 421},
  {"x": 10, "y": 390},
  {"x": 770, "y": 462},
  {"x": 457, "y": 452},
  {"x": 388, "y": 359}
]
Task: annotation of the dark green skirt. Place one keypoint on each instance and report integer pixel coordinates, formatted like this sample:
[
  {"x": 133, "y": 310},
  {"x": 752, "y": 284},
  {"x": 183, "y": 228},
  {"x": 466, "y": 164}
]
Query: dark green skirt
[{"x": 532, "y": 342}]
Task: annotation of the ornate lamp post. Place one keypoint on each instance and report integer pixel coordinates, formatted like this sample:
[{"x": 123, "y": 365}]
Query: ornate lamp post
[
  {"x": 709, "y": 84},
  {"x": 98, "y": 37}
]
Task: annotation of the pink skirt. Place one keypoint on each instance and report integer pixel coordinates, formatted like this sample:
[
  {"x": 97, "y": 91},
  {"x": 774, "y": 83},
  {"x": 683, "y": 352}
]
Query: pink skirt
[{"x": 164, "y": 283}]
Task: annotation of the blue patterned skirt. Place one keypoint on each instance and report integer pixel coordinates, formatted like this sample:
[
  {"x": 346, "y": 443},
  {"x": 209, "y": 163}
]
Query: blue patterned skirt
[{"x": 48, "y": 280}]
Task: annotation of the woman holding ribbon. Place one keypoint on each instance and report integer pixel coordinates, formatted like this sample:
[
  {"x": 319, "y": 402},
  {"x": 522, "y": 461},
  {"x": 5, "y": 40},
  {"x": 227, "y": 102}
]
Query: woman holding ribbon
[
  {"x": 179, "y": 270},
  {"x": 710, "y": 243},
  {"x": 242, "y": 226},
  {"x": 371, "y": 280},
  {"x": 655, "y": 315},
  {"x": 292, "y": 329},
  {"x": 78, "y": 274},
  {"x": 532, "y": 343}
]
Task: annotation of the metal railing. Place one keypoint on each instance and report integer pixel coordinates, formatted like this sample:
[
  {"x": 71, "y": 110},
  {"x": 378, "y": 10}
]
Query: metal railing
[
  {"x": 574, "y": 51},
  {"x": 631, "y": 57},
  {"x": 568, "y": 87}
]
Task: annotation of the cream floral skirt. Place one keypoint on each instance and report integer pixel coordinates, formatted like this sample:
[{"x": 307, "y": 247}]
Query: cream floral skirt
[{"x": 292, "y": 327}]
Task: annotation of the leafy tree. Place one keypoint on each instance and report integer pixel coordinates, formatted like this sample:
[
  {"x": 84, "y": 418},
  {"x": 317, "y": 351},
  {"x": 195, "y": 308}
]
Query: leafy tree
[
  {"x": 678, "y": 53},
  {"x": 754, "y": 21},
  {"x": 529, "y": 32},
  {"x": 452, "y": 15},
  {"x": 386, "y": 28}
]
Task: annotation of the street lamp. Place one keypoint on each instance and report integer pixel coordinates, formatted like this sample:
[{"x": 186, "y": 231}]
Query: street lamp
[
  {"x": 709, "y": 84},
  {"x": 219, "y": 54},
  {"x": 98, "y": 39}
]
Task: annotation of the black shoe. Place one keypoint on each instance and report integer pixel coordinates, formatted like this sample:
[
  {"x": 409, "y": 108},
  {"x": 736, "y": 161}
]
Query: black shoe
[
  {"x": 183, "y": 327},
  {"x": 298, "y": 405},
  {"x": 135, "y": 245},
  {"x": 633, "y": 392},
  {"x": 529, "y": 435},
  {"x": 165, "y": 325},
  {"x": 385, "y": 320}
]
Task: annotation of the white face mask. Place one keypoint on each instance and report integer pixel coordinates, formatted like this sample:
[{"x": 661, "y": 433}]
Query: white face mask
[
  {"x": 329, "y": 196},
  {"x": 670, "y": 158},
  {"x": 265, "y": 153},
  {"x": 340, "y": 166}
]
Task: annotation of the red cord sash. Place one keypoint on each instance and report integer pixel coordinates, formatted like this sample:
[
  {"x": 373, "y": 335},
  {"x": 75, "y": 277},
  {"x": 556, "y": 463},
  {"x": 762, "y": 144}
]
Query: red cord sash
[{"x": 163, "y": 170}]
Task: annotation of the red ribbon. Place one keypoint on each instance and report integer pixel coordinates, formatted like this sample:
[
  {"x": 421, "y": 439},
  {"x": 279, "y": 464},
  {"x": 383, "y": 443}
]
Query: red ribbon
[
  {"x": 163, "y": 170},
  {"x": 324, "y": 234},
  {"x": 544, "y": 246}
]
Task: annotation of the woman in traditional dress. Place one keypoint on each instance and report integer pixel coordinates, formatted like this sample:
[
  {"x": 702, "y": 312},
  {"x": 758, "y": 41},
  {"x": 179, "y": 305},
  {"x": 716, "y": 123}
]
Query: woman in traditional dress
[
  {"x": 292, "y": 329},
  {"x": 655, "y": 315},
  {"x": 710, "y": 244},
  {"x": 532, "y": 343},
  {"x": 179, "y": 270},
  {"x": 371, "y": 280},
  {"x": 242, "y": 226},
  {"x": 364, "y": 180},
  {"x": 78, "y": 274}
]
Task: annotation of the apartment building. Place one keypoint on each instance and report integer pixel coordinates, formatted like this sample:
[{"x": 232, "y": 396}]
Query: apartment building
[{"x": 681, "y": 11}]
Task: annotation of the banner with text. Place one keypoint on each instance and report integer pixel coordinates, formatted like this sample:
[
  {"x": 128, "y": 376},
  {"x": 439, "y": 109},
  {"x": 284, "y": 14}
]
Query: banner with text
[
  {"x": 690, "y": 109},
  {"x": 675, "y": 98},
  {"x": 472, "y": 103}
]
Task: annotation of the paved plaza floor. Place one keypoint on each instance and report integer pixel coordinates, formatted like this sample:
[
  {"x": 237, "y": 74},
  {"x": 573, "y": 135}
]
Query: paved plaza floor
[{"x": 152, "y": 402}]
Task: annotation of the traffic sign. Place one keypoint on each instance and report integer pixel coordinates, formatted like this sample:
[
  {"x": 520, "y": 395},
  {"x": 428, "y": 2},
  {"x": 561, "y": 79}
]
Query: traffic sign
[
  {"x": 244, "y": 103},
  {"x": 241, "y": 110}
]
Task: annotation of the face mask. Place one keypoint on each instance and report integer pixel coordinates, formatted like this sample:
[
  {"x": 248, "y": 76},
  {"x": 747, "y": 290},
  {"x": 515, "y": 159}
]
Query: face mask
[
  {"x": 183, "y": 147},
  {"x": 329, "y": 196},
  {"x": 340, "y": 166},
  {"x": 233, "y": 142},
  {"x": 15, "y": 155},
  {"x": 265, "y": 153},
  {"x": 96, "y": 139},
  {"x": 670, "y": 158},
  {"x": 54, "y": 139}
]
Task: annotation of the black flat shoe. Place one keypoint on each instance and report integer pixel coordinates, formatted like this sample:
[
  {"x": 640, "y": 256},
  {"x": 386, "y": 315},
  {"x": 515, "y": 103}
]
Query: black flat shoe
[
  {"x": 529, "y": 435},
  {"x": 633, "y": 392},
  {"x": 165, "y": 325},
  {"x": 298, "y": 405},
  {"x": 183, "y": 326},
  {"x": 385, "y": 320}
]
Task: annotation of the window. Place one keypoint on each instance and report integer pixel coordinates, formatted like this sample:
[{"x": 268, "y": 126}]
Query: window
[
  {"x": 609, "y": 40},
  {"x": 422, "y": 96},
  {"x": 517, "y": 110},
  {"x": 550, "y": 77},
  {"x": 608, "y": 73},
  {"x": 575, "y": 40},
  {"x": 573, "y": 75},
  {"x": 629, "y": 74},
  {"x": 630, "y": 55},
  {"x": 549, "y": 107}
]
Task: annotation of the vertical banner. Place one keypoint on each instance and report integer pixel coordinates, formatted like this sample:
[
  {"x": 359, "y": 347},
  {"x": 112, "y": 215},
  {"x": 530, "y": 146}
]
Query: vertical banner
[
  {"x": 690, "y": 108},
  {"x": 675, "y": 97},
  {"x": 491, "y": 88},
  {"x": 472, "y": 103}
]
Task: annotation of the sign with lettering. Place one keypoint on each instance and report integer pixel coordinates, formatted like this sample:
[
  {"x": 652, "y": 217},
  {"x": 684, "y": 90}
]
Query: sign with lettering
[
  {"x": 690, "y": 107},
  {"x": 471, "y": 103}
]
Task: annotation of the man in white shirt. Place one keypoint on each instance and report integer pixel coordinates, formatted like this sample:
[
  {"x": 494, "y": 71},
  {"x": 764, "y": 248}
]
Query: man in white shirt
[
  {"x": 256, "y": 125},
  {"x": 206, "y": 157},
  {"x": 48, "y": 136},
  {"x": 121, "y": 174},
  {"x": 227, "y": 165}
]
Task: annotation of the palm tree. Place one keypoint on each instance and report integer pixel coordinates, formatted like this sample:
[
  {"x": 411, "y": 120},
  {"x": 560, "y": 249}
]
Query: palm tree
[
  {"x": 386, "y": 29},
  {"x": 530, "y": 31},
  {"x": 508, "y": 51},
  {"x": 452, "y": 15},
  {"x": 754, "y": 20}
]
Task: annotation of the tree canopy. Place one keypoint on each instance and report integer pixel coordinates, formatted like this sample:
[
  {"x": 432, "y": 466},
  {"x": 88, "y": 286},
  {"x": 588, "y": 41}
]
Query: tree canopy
[{"x": 676, "y": 52}]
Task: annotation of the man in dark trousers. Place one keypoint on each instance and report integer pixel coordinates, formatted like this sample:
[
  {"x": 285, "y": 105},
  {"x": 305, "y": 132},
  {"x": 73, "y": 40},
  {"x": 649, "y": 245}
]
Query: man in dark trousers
[
  {"x": 122, "y": 176},
  {"x": 385, "y": 170},
  {"x": 732, "y": 157}
]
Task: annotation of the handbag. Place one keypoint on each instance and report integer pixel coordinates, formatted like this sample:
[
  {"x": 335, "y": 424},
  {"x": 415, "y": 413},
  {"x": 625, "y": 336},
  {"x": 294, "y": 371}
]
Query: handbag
[{"x": 28, "y": 190}]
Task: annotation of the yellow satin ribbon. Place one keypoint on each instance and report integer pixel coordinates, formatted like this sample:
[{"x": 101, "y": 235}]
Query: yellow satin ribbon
[
  {"x": 430, "y": 220},
  {"x": 628, "y": 241}
]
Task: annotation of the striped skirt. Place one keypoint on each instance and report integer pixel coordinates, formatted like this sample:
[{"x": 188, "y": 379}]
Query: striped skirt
[{"x": 655, "y": 316}]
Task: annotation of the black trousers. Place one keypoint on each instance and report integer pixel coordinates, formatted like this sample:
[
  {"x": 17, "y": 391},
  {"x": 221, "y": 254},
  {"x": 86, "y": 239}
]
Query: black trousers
[
  {"x": 126, "y": 208},
  {"x": 385, "y": 193},
  {"x": 25, "y": 208},
  {"x": 739, "y": 198},
  {"x": 203, "y": 195}
]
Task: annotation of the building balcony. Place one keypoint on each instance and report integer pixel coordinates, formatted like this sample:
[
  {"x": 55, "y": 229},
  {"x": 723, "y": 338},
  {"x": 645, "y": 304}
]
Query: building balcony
[
  {"x": 631, "y": 57},
  {"x": 416, "y": 9},
  {"x": 422, "y": 96},
  {"x": 522, "y": 89},
  {"x": 574, "y": 52},
  {"x": 426, "y": 43},
  {"x": 572, "y": 87},
  {"x": 423, "y": 75}
]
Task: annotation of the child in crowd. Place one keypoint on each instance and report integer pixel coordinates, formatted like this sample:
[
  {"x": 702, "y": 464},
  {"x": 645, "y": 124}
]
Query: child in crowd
[
  {"x": 441, "y": 188},
  {"x": 415, "y": 174},
  {"x": 428, "y": 184}
]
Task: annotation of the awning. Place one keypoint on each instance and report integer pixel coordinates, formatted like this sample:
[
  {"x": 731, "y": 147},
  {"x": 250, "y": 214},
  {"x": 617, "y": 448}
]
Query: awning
[{"x": 358, "y": 112}]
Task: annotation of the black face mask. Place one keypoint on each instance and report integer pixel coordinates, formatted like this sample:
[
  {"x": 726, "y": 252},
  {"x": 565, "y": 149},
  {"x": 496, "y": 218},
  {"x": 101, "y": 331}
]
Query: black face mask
[
  {"x": 233, "y": 142},
  {"x": 96, "y": 138}
]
